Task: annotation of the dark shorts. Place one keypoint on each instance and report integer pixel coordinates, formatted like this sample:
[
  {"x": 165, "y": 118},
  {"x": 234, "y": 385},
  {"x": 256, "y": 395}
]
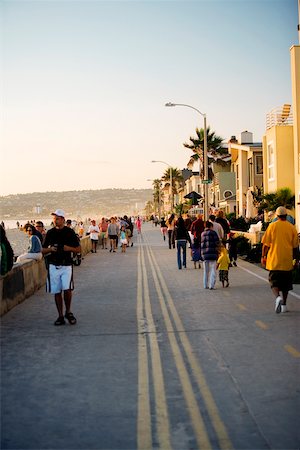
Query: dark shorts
[
  {"x": 281, "y": 279},
  {"x": 112, "y": 236},
  {"x": 223, "y": 275}
]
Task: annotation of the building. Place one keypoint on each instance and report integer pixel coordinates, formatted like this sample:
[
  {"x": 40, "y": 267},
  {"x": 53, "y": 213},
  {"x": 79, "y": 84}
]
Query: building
[
  {"x": 295, "y": 73},
  {"x": 278, "y": 150},
  {"x": 247, "y": 164}
]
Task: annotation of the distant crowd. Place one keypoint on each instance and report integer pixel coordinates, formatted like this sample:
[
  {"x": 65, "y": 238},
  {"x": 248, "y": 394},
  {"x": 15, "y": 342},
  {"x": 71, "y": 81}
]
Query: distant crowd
[
  {"x": 106, "y": 235},
  {"x": 211, "y": 243}
]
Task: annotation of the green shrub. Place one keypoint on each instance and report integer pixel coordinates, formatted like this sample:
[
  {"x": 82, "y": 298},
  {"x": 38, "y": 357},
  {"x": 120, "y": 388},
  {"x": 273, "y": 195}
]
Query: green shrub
[
  {"x": 239, "y": 224},
  {"x": 243, "y": 245},
  {"x": 254, "y": 254}
]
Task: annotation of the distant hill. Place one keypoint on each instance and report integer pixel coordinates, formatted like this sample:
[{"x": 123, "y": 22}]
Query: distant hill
[{"x": 76, "y": 204}]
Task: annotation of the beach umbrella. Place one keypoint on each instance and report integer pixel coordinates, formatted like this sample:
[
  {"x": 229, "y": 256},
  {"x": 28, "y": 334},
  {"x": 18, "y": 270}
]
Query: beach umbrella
[{"x": 194, "y": 196}]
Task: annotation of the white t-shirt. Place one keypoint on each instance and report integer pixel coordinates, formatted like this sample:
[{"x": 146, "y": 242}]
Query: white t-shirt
[
  {"x": 93, "y": 230},
  {"x": 218, "y": 229}
]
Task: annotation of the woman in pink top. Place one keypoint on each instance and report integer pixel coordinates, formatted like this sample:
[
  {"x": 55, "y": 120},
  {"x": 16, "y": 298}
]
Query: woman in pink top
[{"x": 138, "y": 223}]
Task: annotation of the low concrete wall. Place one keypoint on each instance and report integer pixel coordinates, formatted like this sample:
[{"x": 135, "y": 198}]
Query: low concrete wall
[
  {"x": 254, "y": 238},
  {"x": 22, "y": 281},
  {"x": 26, "y": 278}
]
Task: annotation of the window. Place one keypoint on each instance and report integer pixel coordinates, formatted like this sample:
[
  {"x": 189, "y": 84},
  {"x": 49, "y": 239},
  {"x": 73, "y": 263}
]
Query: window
[
  {"x": 258, "y": 165},
  {"x": 271, "y": 161},
  {"x": 250, "y": 172}
]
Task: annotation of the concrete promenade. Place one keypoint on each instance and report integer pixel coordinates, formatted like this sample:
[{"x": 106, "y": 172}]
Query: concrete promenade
[{"x": 155, "y": 361}]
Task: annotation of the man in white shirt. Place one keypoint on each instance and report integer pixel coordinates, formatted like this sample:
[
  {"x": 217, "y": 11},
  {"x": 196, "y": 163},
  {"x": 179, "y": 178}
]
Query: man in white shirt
[
  {"x": 217, "y": 227},
  {"x": 94, "y": 235}
]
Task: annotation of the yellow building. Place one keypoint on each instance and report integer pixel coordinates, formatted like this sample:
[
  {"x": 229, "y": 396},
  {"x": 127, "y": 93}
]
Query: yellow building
[
  {"x": 278, "y": 150},
  {"x": 295, "y": 73},
  {"x": 281, "y": 144}
]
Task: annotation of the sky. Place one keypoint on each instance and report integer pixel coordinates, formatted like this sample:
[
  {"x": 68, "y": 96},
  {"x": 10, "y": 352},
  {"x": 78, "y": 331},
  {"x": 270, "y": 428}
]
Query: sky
[{"x": 84, "y": 84}]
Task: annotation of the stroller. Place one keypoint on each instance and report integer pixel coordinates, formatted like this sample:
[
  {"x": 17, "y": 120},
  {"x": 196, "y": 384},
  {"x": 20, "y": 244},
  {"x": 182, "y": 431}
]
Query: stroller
[{"x": 196, "y": 253}]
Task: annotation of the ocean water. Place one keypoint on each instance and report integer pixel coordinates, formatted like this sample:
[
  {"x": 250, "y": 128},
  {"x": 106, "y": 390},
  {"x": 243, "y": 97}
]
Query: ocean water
[{"x": 12, "y": 223}]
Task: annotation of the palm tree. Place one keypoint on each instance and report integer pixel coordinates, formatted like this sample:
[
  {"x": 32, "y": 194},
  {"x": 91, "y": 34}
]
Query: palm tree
[
  {"x": 282, "y": 197},
  {"x": 214, "y": 147},
  {"x": 177, "y": 178},
  {"x": 156, "y": 191}
]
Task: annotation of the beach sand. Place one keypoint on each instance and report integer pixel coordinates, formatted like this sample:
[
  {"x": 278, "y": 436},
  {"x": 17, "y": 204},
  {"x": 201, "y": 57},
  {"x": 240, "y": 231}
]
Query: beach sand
[{"x": 19, "y": 240}]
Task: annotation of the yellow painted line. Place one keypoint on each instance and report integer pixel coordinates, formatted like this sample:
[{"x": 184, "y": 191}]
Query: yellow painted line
[
  {"x": 161, "y": 409},
  {"x": 292, "y": 351},
  {"x": 193, "y": 409},
  {"x": 242, "y": 307},
  {"x": 144, "y": 431},
  {"x": 220, "y": 429},
  {"x": 262, "y": 325}
]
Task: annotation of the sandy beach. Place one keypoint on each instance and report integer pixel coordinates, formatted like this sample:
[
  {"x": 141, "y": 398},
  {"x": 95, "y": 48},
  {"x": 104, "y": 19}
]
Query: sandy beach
[{"x": 18, "y": 240}]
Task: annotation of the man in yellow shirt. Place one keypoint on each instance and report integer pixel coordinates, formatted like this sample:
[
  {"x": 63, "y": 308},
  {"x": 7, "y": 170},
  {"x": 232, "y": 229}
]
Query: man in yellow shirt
[{"x": 280, "y": 248}]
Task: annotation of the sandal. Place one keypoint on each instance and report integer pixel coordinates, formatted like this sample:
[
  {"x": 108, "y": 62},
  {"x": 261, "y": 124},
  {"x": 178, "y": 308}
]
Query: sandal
[
  {"x": 70, "y": 317},
  {"x": 60, "y": 321}
]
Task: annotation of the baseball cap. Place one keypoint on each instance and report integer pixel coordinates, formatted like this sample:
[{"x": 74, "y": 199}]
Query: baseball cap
[
  {"x": 58, "y": 212},
  {"x": 281, "y": 211}
]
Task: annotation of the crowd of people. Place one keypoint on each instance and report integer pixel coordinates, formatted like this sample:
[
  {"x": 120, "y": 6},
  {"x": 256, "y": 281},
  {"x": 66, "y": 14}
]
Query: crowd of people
[
  {"x": 211, "y": 243},
  {"x": 60, "y": 246}
]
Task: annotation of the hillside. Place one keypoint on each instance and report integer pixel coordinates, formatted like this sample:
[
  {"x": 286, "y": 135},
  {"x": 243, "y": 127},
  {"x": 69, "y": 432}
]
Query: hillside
[{"x": 77, "y": 204}]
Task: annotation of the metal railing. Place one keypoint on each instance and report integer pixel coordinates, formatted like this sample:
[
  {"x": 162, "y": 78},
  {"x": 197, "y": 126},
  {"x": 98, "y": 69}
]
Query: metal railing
[{"x": 282, "y": 115}]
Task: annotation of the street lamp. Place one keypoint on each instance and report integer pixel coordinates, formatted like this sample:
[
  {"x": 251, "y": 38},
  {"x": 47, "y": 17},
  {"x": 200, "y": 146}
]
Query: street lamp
[
  {"x": 205, "y": 181},
  {"x": 171, "y": 180}
]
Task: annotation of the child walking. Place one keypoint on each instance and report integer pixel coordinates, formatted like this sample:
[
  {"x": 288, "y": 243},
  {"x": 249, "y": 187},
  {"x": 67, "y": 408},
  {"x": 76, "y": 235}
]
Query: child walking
[
  {"x": 223, "y": 266},
  {"x": 196, "y": 252},
  {"x": 123, "y": 238}
]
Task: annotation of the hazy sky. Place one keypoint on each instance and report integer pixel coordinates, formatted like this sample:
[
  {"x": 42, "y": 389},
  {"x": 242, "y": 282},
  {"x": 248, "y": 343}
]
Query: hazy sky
[{"x": 85, "y": 83}]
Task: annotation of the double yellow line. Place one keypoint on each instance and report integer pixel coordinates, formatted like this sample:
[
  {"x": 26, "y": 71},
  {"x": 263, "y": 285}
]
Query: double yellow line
[{"x": 148, "y": 349}]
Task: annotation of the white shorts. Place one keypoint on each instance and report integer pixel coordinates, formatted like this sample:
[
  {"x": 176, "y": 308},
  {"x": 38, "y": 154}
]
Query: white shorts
[
  {"x": 36, "y": 256},
  {"x": 60, "y": 278}
]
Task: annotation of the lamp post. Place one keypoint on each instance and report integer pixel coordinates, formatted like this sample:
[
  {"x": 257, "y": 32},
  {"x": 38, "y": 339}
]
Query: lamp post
[
  {"x": 171, "y": 180},
  {"x": 204, "y": 155}
]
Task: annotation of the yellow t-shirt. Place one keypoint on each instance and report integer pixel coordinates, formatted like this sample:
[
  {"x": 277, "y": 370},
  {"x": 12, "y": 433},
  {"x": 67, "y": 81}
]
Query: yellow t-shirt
[
  {"x": 281, "y": 237},
  {"x": 223, "y": 260}
]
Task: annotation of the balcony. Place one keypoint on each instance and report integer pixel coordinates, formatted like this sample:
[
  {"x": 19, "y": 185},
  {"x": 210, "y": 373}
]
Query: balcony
[{"x": 280, "y": 116}]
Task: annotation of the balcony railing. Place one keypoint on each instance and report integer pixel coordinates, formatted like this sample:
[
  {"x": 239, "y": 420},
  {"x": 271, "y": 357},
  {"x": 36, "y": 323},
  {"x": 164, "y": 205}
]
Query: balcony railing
[{"x": 282, "y": 115}]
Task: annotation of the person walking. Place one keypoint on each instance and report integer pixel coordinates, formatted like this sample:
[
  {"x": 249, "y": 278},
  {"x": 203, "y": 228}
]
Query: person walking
[
  {"x": 223, "y": 222},
  {"x": 181, "y": 237},
  {"x": 196, "y": 252},
  {"x": 197, "y": 227},
  {"x": 171, "y": 227},
  {"x": 280, "y": 248},
  {"x": 209, "y": 252},
  {"x": 138, "y": 223},
  {"x": 163, "y": 228},
  {"x": 80, "y": 229},
  {"x": 123, "y": 238},
  {"x": 60, "y": 242},
  {"x": 232, "y": 249},
  {"x": 223, "y": 263},
  {"x": 129, "y": 231},
  {"x": 217, "y": 227},
  {"x": 113, "y": 231},
  {"x": 103, "y": 225},
  {"x": 94, "y": 231}
]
